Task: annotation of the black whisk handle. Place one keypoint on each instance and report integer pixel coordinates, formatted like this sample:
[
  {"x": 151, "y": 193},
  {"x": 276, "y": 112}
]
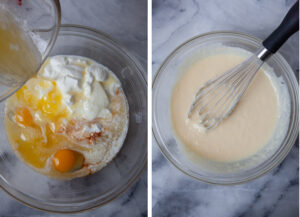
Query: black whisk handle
[{"x": 288, "y": 26}]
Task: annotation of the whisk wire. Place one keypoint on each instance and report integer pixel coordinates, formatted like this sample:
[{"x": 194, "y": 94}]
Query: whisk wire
[
  {"x": 217, "y": 85},
  {"x": 231, "y": 91},
  {"x": 217, "y": 98},
  {"x": 239, "y": 92},
  {"x": 227, "y": 99},
  {"x": 208, "y": 88}
]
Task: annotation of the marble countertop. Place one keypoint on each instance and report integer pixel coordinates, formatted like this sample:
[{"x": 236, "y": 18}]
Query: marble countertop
[
  {"x": 175, "y": 194},
  {"x": 131, "y": 30}
]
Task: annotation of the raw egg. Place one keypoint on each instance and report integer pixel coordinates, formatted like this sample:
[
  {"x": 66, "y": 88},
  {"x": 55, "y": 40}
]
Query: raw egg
[{"x": 64, "y": 160}]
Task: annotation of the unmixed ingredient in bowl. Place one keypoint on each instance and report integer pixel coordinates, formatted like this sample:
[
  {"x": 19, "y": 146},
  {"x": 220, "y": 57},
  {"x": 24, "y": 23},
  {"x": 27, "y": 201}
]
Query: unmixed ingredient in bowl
[
  {"x": 70, "y": 120},
  {"x": 245, "y": 131},
  {"x": 19, "y": 56}
]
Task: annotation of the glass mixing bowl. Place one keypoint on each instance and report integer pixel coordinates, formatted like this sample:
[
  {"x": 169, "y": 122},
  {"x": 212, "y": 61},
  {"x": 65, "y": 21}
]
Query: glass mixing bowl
[
  {"x": 39, "y": 191},
  {"x": 204, "y": 170},
  {"x": 42, "y": 18}
]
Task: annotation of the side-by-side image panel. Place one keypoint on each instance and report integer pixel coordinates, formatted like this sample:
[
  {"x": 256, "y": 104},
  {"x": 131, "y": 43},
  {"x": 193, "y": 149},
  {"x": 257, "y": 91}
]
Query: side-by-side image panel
[
  {"x": 225, "y": 108},
  {"x": 73, "y": 96}
]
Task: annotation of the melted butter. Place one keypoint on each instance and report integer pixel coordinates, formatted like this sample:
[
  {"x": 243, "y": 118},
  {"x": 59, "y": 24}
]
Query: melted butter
[
  {"x": 36, "y": 140},
  {"x": 35, "y": 144}
]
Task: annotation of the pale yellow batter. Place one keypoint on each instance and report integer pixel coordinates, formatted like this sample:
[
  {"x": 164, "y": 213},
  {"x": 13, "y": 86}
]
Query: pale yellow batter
[{"x": 244, "y": 132}]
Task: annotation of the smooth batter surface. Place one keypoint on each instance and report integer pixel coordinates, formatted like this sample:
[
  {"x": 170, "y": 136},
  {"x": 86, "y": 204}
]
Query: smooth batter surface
[{"x": 245, "y": 131}]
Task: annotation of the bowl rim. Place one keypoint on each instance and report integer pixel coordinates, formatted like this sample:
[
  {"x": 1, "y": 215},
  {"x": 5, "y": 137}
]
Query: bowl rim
[
  {"x": 293, "y": 134},
  {"x": 139, "y": 172},
  {"x": 57, "y": 28}
]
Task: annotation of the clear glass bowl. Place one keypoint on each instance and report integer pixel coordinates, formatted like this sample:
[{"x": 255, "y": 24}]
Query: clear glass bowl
[
  {"x": 39, "y": 191},
  {"x": 41, "y": 18},
  {"x": 217, "y": 173}
]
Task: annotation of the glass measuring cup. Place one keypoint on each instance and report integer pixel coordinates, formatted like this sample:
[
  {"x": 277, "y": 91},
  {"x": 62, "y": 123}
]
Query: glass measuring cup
[{"x": 28, "y": 30}]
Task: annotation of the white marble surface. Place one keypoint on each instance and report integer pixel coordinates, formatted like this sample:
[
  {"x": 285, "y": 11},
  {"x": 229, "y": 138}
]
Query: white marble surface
[
  {"x": 175, "y": 194},
  {"x": 126, "y": 21}
]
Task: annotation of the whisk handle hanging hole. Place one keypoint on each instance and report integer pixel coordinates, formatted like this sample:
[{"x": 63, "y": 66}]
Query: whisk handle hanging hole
[{"x": 288, "y": 27}]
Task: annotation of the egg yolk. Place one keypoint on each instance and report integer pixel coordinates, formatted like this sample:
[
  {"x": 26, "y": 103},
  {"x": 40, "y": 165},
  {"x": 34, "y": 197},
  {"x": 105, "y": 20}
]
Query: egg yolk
[
  {"x": 43, "y": 96},
  {"x": 24, "y": 117},
  {"x": 51, "y": 104},
  {"x": 64, "y": 160}
]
